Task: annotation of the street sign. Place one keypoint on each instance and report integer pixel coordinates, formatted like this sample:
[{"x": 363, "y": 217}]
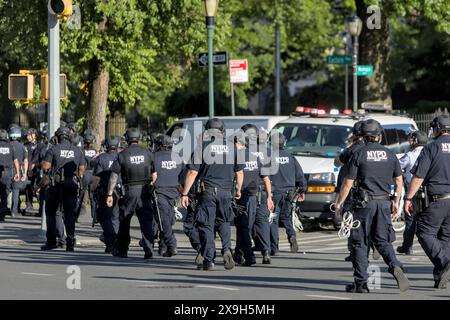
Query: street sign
[
  {"x": 339, "y": 59},
  {"x": 239, "y": 71},
  {"x": 364, "y": 71},
  {"x": 219, "y": 58}
]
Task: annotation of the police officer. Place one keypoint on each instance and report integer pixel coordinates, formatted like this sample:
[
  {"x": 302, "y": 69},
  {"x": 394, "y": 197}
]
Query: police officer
[
  {"x": 15, "y": 134},
  {"x": 245, "y": 221},
  {"x": 108, "y": 217},
  {"x": 32, "y": 148},
  {"x": 63, "y": 165},
  {"x": 166, "y": 170},
  {"x": 90, "y": 153},
  {"x": 374, "y": 168},
  {"x": 287, "y": 178},
  {"x": 343, "y": 161},
  {"x": 133, "y": 165},
  {"x": 432, "y": 169},
  {"x": 8, "y": 165},
  {"x": 417, "y": 140},
  {"x": 215, "y": 162}
]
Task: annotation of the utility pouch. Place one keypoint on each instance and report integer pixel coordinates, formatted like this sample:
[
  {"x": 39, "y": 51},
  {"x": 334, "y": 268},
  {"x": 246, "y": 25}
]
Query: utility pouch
[
  {"x": 422, "y": 194},
  {"x": 360, "y": 198}
]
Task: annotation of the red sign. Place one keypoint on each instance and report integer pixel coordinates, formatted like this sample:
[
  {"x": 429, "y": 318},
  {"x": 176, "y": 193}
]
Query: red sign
[{"x": 239, "y": 71}]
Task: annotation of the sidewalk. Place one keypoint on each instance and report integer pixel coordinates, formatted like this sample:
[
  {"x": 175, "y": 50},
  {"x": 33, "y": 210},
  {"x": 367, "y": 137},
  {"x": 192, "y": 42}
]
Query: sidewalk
[{"x": 22, "y": 230}]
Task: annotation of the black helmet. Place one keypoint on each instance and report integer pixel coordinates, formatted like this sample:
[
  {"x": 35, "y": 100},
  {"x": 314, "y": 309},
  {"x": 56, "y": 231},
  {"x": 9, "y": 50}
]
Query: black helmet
[
  {"x": 250, "y": 133},
  {"x": 112, "y": 143},
  {"x": 15, "y": 133},
  {"x": 44, "y": 131},
  {"x": 62, "y": 132},
  {"x": 163, "y": 141},
  {"x": 133, "y": 135},
  {"x": 3, "y": 135},
  {"x": 76, "y": 140},
  {"x": 72, "y": 127},
  {"x": 371, "y": 128},
  {"x": 441, "y": 123},
  {"x": 357, "y": 128},
  {"x": 89, "y": 136},
  {"x": 215, "y": 123},
  {"x": 420, "y": 138},
  {"x": 278, "y": 140}
]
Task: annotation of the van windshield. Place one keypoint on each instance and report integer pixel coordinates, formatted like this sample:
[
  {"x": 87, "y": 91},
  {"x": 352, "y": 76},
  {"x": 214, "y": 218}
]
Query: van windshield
[{"x": 315, "y": 140}]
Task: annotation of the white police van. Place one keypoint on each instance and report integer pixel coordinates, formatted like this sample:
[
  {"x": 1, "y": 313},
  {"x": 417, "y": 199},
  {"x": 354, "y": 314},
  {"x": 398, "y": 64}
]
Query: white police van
[
  {"x": 315, "y": 138},
  {"x": 192, "y": 127}
]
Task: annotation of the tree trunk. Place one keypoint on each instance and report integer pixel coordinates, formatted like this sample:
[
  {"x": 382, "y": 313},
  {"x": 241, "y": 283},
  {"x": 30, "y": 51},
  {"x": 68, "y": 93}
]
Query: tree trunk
[
  {"x": 374, "y": 50},
  {"x": 98, "y": 99},
  {"x": 99, "y": 80}
]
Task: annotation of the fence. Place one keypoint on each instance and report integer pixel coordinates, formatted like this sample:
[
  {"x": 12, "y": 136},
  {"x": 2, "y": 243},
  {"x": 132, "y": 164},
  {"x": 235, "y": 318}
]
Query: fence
[
  {"x": 423, "y": 120},
  {"x": 115, "y": 125}
]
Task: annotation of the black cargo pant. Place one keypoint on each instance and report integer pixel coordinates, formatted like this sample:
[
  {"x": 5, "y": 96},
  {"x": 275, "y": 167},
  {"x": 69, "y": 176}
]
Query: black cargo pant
[
  {"x": 190, "y": 229},
  {"x": 5, "y": 189},
  {"x": 244, "y": 226},
  {"x": 109, "y": 220},
  {"x": 261, "y": 229},
  {"x": 214, "y": 212},
  {"x": 136, "y": 201},
  {"x": 376, "y": 227},
  {"x": 167, "y": 215},
  {"x": 411, "y": 225},
  {"x": 433, "y": 232},
  {"x": 283, "y": 213},
  {"x": 65, "y": 195}
]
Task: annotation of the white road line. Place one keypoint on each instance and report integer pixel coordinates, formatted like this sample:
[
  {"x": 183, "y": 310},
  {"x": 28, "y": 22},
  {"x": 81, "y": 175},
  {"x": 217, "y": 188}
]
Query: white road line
[
  {"x": 138, "y": 281},
  {"x": 38, "y": 274},
  {"x": 216, "y": 287},
  {"x": 327, "y": 297}
]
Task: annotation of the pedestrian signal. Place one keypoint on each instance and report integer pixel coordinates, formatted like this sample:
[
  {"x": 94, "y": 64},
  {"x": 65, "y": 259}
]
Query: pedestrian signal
[
  {"x": 21, "y": 87},
  {"x": 60, "y": 8},
  {"x": 45, "y": 91}
]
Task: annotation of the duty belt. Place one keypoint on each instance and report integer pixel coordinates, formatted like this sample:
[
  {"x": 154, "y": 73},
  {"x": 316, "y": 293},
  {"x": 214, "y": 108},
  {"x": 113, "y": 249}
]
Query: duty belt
[
  {"x": 383, "y": 197},
  {"x": 438, "y": 197}
]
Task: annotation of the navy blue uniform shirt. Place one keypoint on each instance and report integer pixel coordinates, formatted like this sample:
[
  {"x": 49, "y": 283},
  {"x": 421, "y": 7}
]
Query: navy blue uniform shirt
[
  {"x": 133, "y": 165},
  {"x": 65, "y": 156},
  {"x": 252, "y": 172},
  {"x": 7, "y": 155},
  {"x": 168, "y": 173},
  {"x": 433, "y": 165},
  {"x": 345, "y": 158},
  {"x": 102, "y": 167},
  {"x": 20, "y": 151},
  {"x": 216, "y": 163},
  {"x": 289, "y": 175},
  {"x": 375, "y": 167}
]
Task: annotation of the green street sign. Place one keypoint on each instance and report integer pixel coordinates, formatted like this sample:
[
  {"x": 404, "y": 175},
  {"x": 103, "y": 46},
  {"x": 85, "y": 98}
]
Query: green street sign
[
  {"x": 364, "y": 71},
  {"x": 339, "y": 59}
]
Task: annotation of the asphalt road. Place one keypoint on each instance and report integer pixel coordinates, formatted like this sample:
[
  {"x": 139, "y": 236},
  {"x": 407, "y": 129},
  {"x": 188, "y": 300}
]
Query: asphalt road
[{"x": 317, "y": 272}]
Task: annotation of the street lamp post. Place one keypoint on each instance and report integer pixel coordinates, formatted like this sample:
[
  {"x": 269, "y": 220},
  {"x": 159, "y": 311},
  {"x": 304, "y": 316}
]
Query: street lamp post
[
  {"x": 355, "y": 27},
  {"x": 210, "y": 13}
]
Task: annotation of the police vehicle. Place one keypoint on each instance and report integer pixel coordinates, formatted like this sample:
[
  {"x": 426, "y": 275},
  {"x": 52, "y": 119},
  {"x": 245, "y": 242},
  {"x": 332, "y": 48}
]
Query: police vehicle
[
  {"x": 315, "y": 137},
  {"x": 194, "y": 126}
]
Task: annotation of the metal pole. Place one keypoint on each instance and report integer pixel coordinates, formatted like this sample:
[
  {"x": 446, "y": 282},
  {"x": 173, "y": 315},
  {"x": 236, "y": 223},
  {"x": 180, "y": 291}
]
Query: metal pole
[
  {"x": 210, "y": 26},
  {"x": 355, "y": 74},
  {"x": 277, "y": 70},
  {"x": 233, "y": 112},
  {"x": 346, "y": 71},
  {"x": 54, "y": 112}
]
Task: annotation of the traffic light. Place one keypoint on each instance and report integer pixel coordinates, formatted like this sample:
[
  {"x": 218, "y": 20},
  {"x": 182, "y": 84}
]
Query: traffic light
[
  {"x": 21, "y": 87},
  {"x": 60, "y": 8},
  {"x": 45, "y": 87}
]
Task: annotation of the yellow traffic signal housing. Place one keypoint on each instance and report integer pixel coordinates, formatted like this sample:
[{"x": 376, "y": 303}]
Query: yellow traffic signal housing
[
  {"x": 21, "y": 87},
  {"x": 60, "y": 8},
  {"x": 45, "y": 87}
]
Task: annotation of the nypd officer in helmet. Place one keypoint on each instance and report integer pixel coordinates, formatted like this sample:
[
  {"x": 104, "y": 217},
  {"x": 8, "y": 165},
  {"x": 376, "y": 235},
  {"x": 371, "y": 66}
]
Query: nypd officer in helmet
[
  {"x": 9, "y": 169},
  {"x": 21, "y": 152},
  {"x": 166, "y": 170},
  {"x": 374, "y": 168},
  {"x": 287, "y": 177},
  {"x": 133, "y": 165},
  {"x": 216, "y": 163},
  {"x": 63, "y": 166},
  {"x": 433, "y": 224},
  {"x": 107, "y": 216}
]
